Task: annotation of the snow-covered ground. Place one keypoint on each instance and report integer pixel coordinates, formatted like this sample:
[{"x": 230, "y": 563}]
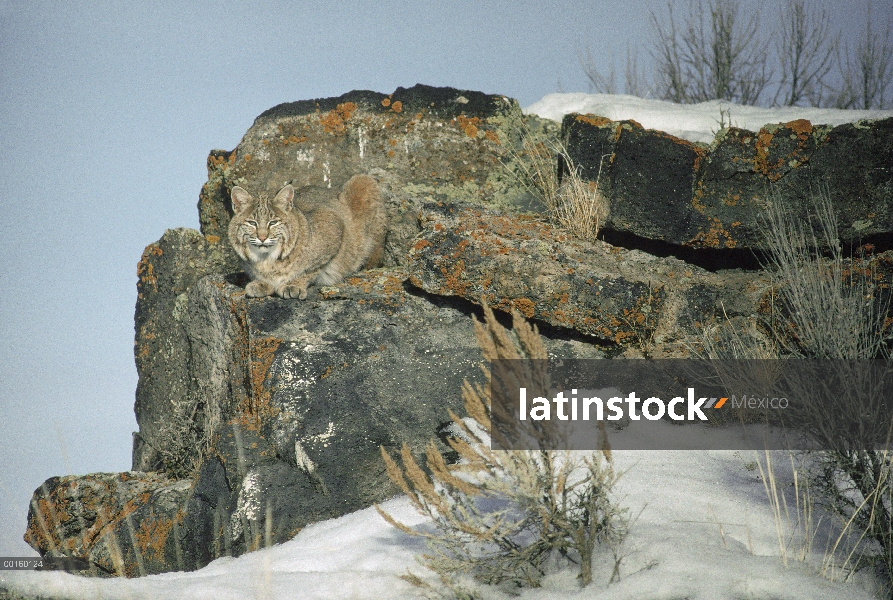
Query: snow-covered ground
[
  {"x": 704, "y": 527},
  {"x": 704, "y": 530},
  {"x": 692, "y": 122}
]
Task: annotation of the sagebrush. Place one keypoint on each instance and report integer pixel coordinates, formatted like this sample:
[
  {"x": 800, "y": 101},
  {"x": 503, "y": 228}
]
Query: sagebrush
[{"x": 499, "y": 516}]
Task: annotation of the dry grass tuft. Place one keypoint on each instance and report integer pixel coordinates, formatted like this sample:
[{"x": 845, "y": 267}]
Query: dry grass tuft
[{"x": 573, "y": 203}]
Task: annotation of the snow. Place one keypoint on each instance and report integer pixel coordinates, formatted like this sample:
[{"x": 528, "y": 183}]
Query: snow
[
  {"x": 692, "y": 122},
  {"x": 703, "y": 529},
  {"x": 703, "y": 525}
]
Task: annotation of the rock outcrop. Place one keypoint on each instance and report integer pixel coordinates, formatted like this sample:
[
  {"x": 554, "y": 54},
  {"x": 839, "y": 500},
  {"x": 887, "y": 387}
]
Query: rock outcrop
[
  {"x": 670, "y": 190},
  {"x": 259, "y": 416}
]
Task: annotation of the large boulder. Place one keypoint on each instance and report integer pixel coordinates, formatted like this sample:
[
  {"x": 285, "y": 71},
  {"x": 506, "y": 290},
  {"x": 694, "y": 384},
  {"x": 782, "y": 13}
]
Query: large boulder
[
  {"x": 287, "y": 404},
  {"x": 177, "y": 371},
  {"x": 667, "y": 189},
  {"x": 121, "y": 523}
]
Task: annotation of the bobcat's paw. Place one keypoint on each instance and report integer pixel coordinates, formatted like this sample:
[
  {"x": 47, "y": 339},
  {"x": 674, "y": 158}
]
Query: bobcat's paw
[
  {"x": 293, "y": 291},
  {"x": 258, "y": 289}
]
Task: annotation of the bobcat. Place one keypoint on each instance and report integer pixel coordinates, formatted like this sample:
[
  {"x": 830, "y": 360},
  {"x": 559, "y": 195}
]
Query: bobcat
[{"x": 314, "y": 235}]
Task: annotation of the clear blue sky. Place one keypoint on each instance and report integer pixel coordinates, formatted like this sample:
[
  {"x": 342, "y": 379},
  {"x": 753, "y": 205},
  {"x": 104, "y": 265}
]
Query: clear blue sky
[{"x": 107, "y": 113}]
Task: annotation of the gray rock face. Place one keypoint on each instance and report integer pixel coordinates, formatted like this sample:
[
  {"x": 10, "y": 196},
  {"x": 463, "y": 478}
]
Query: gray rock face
[
  {"x": 664, "y": 188},
  {"x": 178, "y": 372},
  {"x": 323, "y": 384}
]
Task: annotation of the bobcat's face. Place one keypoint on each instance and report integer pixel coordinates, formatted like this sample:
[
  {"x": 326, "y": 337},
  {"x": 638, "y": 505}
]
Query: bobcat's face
[
  {"x": 263, "y": 236},
  {"x": 261, "y": 230}
]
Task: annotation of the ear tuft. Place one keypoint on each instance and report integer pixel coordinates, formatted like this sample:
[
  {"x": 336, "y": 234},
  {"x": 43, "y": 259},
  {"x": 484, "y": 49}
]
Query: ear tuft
[
  {"x": 284, "y": 198},
  {"x": 241, "y": 199}
]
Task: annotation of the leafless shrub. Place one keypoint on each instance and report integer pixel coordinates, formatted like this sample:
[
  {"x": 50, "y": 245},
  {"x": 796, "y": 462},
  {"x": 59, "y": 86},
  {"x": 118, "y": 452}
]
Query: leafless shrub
[
  {"x": 831, "y": 306},
  {"x": 742, "y": 355},
  {"x": 184, "y": 440},
  {"x": 833, "y": 314},
  {"x": 635, "y": 80},
  {"x": 500, "y": 515},
  {"x": 719, "y": 51},
  {"x": 868, "y": 73}
]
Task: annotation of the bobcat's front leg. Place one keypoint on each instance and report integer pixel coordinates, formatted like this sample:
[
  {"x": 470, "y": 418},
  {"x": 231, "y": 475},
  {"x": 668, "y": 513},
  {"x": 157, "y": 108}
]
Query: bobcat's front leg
[
  {"x": 258, "y": 289},
  {"x": 296, "y": 288}
]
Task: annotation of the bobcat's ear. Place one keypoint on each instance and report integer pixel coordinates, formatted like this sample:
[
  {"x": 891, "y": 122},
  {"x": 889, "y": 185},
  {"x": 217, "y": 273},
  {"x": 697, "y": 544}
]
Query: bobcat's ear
[
  {"x": 283, "y": 199},
  {"x": 241, "y": 199}
]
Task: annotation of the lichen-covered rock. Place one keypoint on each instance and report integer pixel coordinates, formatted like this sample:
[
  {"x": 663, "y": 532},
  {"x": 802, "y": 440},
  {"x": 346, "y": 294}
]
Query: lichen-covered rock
[
  {"x": 259, "y": 416},
  {"x": 627, "y": 297},
  {"x": 108, "y": 519},
  {"x": 421, "y": 143},
  {"x": 664, "y": 188}
]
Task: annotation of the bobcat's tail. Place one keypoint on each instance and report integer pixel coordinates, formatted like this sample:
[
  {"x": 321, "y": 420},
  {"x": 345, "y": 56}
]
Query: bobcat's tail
[{"x": 362, "y": 195}]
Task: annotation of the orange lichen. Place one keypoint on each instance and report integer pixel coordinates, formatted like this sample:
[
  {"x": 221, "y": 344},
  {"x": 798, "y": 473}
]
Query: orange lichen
[
  {"x": 397, "y": 106},
  {"x": 152, "y": 536},
  {"x": 468, "y": 124},
  {"x": 594, "y": 120},
  {"x": 221, "y": 160},
  {"x": 460, "y": 247},
  {"x": 454, "y": 280},
  {"x": 386, "y": 102},
  {"x": 257, "y": 408},
  {"x": 716, "y": 236},
  {"x": 334, "y": 120},
  {"x": 145, "y": 270},
  {"x": 697, "y": 197},
  {"x": 801, "y": 131},
  {"x": 732, "y": 199},
  {"x": 801, "y": 127}
]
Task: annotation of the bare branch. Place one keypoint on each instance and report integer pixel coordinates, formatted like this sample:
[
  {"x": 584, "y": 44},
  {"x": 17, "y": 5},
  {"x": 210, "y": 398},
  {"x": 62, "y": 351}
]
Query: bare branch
[
  {"x": 716, "y": 55},
  {"x": 868, "y": 74},
  {"x": 804, "y": 51},
  {"x": 667, "y": 57},
  {"x": 598, "y": 82}
]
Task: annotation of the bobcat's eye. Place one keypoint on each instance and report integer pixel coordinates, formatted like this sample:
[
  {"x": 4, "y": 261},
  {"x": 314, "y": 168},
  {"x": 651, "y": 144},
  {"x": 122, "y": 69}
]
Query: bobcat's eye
[
  {"x": 251, "y": 223},
  {"x": 274, "y": 222}
]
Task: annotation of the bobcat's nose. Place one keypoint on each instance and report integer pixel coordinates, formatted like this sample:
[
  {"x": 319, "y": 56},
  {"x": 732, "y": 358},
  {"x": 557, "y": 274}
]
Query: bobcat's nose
[{"x": 262, "y": 236}]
